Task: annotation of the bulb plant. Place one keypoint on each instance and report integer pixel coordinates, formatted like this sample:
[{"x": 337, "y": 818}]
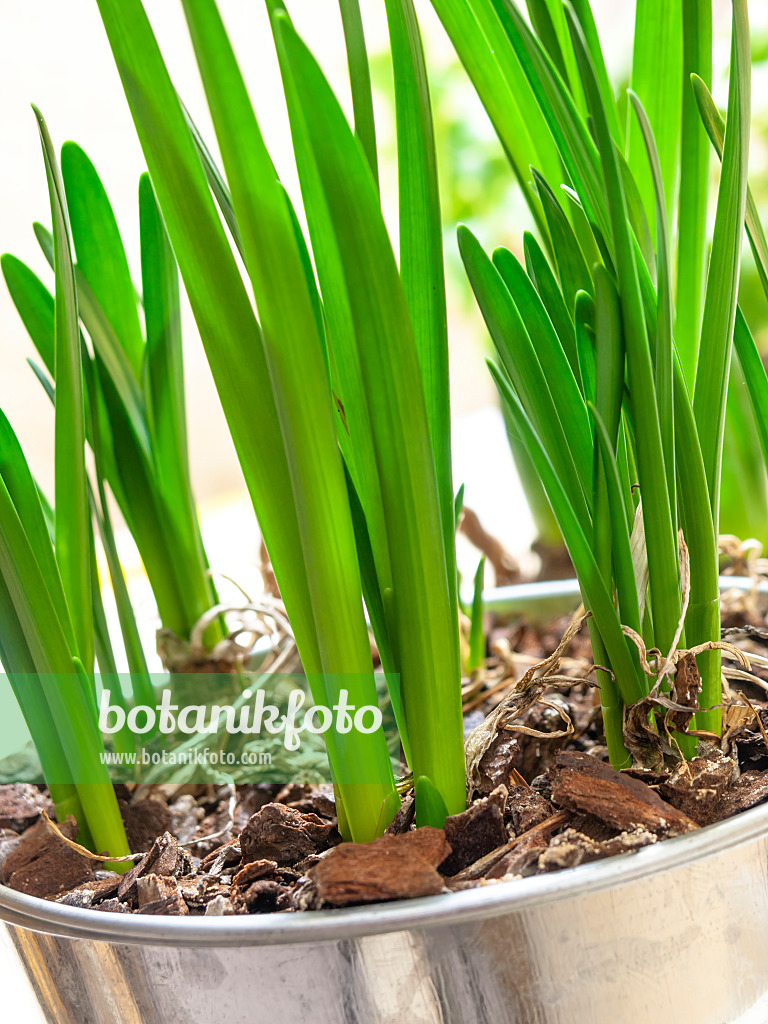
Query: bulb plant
[
  {"x": 618, "y": 393},
  {"x": 669, "y": 45},
  {"x": 335, "y": 383},
  {"x": 51, "y": 615},
  {"x": 134, "y": 386}
]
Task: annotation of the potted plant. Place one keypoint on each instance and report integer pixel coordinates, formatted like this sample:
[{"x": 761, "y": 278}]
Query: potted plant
[{"x": 337, "y": 401}]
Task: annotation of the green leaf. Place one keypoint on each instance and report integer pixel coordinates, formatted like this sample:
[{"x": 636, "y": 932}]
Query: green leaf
[
  {"x": 424, "y": 614},
  {"x": 574, "y": 143},
  {"x": 560, "y": 314},
  {"x": 295, "y": 359},
  {"x": 166, "y": 410},
  {"x": 694, "y": 187},
  {"x": 421, "y": 245},
  {"x": 660, "y": 535},
  {"x": 99, "y": 249},
  {"x": 595, "y": 592},
  {"x": 657, "y": 66},
  {"x": 583, "y": 11},
  {"x": 229, "y": 331},
  {"x": 585, "y": 342},
  {"x": 72, "y": 524},
  {"x": 725, "y": 263},
  {"x": 571, "y": 265},
  {"x": 550, "y": 349},
  {"x": 360, "y": 81},
  {"x": 34, "y": 304},
  {"x": 496, "y": 73},
  {"x": 664, "y": 343},
  {"x": 476, "y": 632},
  {"x": 620, "y": 537},
  {"x": 521, "y": 362},
  {"x": 25, "y": 496}
]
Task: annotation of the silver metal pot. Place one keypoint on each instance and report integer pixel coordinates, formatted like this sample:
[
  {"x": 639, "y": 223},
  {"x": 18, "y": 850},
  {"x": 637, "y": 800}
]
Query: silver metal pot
[{"x": 676, "y": 932}]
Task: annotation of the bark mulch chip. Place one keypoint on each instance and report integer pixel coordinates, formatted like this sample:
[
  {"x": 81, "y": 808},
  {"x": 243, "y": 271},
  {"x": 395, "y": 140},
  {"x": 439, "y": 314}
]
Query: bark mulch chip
[
  {"x": 696, "y": 787},
  {"x": 582, "y": 783},
  {"x": 389, "y": 868},
  {"x": 475, "y": 832},
  {"x": 165, "y": 858},
  {"x": 42, "y": 865},
  {"x": 526, "y": 808},
  {"x": 159, "y": 894},
  {"x": 285, "y": 835},
  {"x": 749, "y": 790},
  {"x": 20, "y": 806}
]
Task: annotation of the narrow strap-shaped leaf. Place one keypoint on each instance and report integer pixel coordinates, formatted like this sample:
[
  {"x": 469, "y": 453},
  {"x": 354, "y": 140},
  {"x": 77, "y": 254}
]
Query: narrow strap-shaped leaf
[
  {"x": 657, "y": 65},
  {"x": 377, "y": 613},
  {"x": 754, "y": 373},
  {"x": 620, "y": 544},
  {"x": 694, "y": 187},
  {"x": 424, "y": 612},
  {"x": 576, "y": 148},
  {"x": 216, "y": 181},
  {"x": 166, "y": 406},
  {"x": 519, "y": 358},
  {"x": 28, "y": 691},
  {"x": 99, "y": 251},
  {"x": 34, "y": 304},
  {"x": 714, "y": 125},
  {"x": 660, "y": 536},
  {"x": 353, "y": 416},
  {"x": 586, "y": 18},
  {"x": 476, "y": 633},
  {"x": 664, "y": 343},
  {"x": 360, "y": 81},
  {"x": 107, "y": 345},
  {"x": 561, "y": 315},
  {"x": 71, "y": 703},
  {"x": 541, "y": 13},
  {"x": 492, "y": 66},
  {"x": 638, "y": 218},
  {"x": 551, "y": 353},
  {"x": 547, "y": 531},
  {"x": 24, "y": 493},
  {"x": 296, "y": 362},
  {"x": 610, "y": 354},
  {"x": 725, "y": 263},
  {"x": 571, "y": 265},
  {"x": 421, "y": 243},
  {"x": 595, "y": 592},
  {"x": 137, "y": 665},
  {"x": 72, "y": 540},
  {"x": 702, "y": 622},
  {"x": 584, "y": 312}
]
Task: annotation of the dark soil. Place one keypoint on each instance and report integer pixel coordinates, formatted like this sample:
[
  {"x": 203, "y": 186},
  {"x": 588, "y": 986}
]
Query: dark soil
[{"x": 543, "y": 799}]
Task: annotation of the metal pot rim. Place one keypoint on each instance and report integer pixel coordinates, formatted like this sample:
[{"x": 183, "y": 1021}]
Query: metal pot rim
[{"x": 336, "y": 925}]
